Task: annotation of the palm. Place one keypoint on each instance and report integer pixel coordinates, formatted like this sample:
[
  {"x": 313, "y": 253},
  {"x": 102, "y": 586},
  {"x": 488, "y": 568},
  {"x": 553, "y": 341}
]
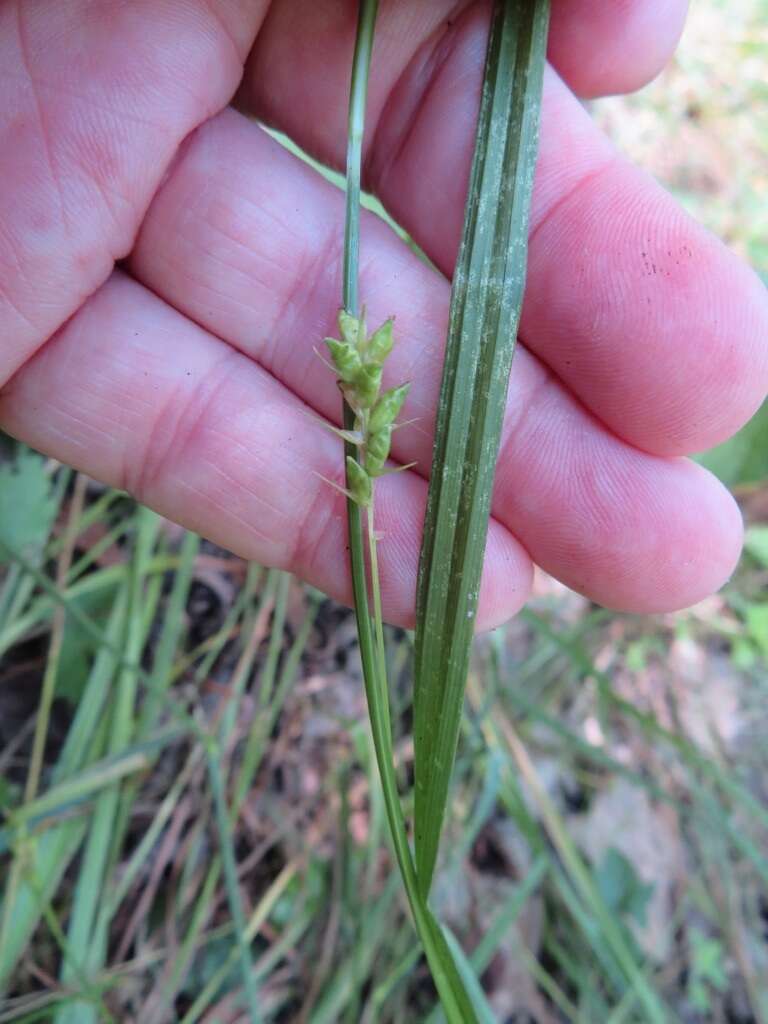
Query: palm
[{"x": 185, "y": 376}]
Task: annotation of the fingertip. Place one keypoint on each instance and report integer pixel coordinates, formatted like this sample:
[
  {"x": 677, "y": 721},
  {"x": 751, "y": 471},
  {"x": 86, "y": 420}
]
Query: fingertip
[
  {"x": 690, "y": 550},
  {"x": 602, "y": 48},
  {"x": 507, "y": 579},
  {"x": 657, "y": 326}
]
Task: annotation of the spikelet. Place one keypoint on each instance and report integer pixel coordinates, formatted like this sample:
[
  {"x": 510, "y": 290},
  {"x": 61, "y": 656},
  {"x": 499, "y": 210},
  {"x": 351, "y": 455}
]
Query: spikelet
[{"x": 359, "y": 361}]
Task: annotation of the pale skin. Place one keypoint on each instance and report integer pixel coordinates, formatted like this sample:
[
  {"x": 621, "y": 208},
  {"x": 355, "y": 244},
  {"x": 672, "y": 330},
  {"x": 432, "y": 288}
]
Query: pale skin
[{"x": 185, "y": 374}]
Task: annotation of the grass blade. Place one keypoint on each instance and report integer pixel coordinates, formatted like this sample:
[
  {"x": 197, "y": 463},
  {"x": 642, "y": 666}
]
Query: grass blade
[
  {"x": 234, "y": 897},
  {"x": 173, "y": 627},
  {"x": 271, "y": 704},
  {"x": 104, "y": 831},
  {"x": 485, "y": 310}
]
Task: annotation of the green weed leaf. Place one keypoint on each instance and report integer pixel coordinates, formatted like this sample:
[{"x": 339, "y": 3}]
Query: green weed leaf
[
  {"x": 27, "y": 506},
  {"x": 707, "y": 970},
  {"x": 623, "y": 891}
]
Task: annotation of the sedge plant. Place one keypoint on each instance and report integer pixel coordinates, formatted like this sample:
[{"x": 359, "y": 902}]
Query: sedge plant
[{"x": 485, "y": 309}]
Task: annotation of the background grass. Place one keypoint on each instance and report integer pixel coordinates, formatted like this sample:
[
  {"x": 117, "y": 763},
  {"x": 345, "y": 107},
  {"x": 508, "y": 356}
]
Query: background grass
[{"x": 192, "y": 826}]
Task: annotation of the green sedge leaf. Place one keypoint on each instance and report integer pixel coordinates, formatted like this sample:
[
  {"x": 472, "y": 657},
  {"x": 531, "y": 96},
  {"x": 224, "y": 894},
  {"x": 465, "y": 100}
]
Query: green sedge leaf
[{"x": 485, "y": 309}]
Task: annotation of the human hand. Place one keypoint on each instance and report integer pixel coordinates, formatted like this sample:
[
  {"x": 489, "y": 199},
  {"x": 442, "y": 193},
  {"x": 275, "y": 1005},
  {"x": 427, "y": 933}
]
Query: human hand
[{"x": 185, "y": 375}]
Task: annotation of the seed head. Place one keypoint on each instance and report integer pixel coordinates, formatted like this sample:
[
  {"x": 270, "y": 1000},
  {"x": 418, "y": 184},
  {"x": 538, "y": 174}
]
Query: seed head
[
  {"x": 366, "y": 384},
  {"x": 358, "y": 482},
  {"x": 352, "y": 329},
  {"x": 377, "y": 450},
  {"x": 345, "y": 358},
  {"x": 388, "y": 407},
  {"x": 380, "y": 343},
  {"x": 358, "y": 361}
]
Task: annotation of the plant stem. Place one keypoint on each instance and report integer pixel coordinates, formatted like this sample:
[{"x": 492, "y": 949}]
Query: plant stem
[
  {"x": 378, "y": 618},
  {"x": 358, "y": 94},
  {"x": 350, "y": 298}
]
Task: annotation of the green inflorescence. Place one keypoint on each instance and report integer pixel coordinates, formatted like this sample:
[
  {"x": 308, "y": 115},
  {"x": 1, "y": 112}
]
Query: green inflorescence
[{"x": 359, "y": 362}]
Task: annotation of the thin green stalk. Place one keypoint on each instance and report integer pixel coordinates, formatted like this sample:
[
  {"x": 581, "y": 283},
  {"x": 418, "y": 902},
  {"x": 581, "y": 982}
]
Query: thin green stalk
[
  {"x": 268, "y": 673},
  {"x": 378, "y": 618},
  {"x": 385, "y": 988},
  {"x": 94, "y": 513},
  {"x": 215, "y": 645},
  {"x": 54, "y": 652},
  {"x": 264, "y": 720},
  {"x": 170, "y": 636},
  {"x": 357, "y": 100},
  {"x": 230, "y": 880},
  {"x": 358, "y": 95},
  {"x": 95, "y": 551},
  {"x": 254, "y": 628}
]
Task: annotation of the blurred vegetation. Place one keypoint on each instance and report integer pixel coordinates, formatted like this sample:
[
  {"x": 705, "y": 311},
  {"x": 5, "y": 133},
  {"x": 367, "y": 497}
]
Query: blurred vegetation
[{"x": 187, "y": 784}]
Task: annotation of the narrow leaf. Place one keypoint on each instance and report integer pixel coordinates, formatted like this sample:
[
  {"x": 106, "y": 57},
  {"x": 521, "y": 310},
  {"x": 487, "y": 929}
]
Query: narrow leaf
[{"x": 485, "y": 310}]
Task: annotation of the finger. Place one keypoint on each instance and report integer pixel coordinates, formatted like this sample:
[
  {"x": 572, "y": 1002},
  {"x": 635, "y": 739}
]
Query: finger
[
  {"x": 602, "y": 47},
  {"x": 649, "y": 320},
  {"x": 95, "y": 100},
  {"x": 245, "y": 239},
  {"x": 297, "y": 74},
  {"x": 139, "y": 397}
]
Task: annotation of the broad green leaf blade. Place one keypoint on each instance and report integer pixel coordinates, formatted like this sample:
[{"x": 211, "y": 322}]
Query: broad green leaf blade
[{"x": 485, "y": 310}]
